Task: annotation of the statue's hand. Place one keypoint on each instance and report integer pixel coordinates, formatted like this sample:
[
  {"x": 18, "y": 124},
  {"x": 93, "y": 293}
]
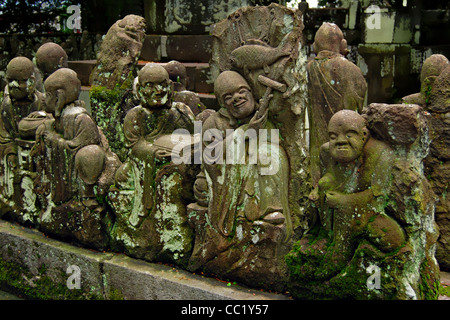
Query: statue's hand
[
  {"x": 334, "y": 199},
  {"x": 46, "y": 130},
  {"x": 162, "y": 154},
  {"x": 258, "y": 121}
]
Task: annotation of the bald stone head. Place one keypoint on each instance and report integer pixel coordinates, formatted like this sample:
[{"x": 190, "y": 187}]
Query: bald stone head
[
  {"x": 21, "y": 78},
  {"x": 177, "y": 73},
  {"x": 61, "y": 88},
  {"x": 154, "y": 87},
  {"x": 51, "y": 57},
  {"x": 348, "y": 134},
  {"x": 330, "y": 37},
  {"x": 234, "y": 93},
  {"x": 432, "y": 68}
]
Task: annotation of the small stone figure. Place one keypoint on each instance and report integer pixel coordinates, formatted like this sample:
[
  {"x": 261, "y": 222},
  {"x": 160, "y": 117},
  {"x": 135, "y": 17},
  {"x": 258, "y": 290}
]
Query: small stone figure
[
  {"x": 334, "y": 84},
  {"x": 86, "y": 46},
  {"x": 149, "y": 191},
  {"x": 248, "y": 240},
  {"x": 21, "y": 99},
  {"x": 351, "y": 194},
  {"x": 431, "y": 69},
  {"x": 74, "y": 164},
  {"x": 247, "y": 208},
  {"x": 372, "y": 240},
  {"x": 178, "y": 76}
]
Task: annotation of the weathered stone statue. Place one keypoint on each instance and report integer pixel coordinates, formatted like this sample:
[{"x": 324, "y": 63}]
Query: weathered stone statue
[
  {"x": 371, "y": 241},
  {"x": 245, "y": 219},
  {"x": 437, "y": 164},
  {"x": 431, "y": 69},
  {"x": 352, "y": 192},
  {"x": 75, "y": 167},
  {"x": 119, "y": 52},
  {"x": 177, "y": 74},
  {"x": 432, "y": 97},
  {"x": 20, "y": 100},
  {"x": 334, "y": 84},
  {"x": 111, "y": 95},
  {"x": 150, "y": 192},
  {"x": 245, "y": 196}
]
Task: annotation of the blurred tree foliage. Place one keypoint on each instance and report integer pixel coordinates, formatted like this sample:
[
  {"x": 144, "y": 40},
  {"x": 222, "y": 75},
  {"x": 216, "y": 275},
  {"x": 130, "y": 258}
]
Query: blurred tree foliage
[
  {"x": 41, "y": 16},
  {"x": 31, "y": 16}
]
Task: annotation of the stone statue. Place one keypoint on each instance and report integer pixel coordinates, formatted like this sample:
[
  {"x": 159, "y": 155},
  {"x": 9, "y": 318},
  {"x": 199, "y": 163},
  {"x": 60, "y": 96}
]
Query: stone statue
[
  {"x": 431, "y": 69},
  {"x": 149, "y": 194},
  {"x": 119, "y": 52},
  {"x": 74, "y": 164},
  {"x": 21, "y": 99},
  {"x": 432, "y": 97},
  {"x": 86, "y": 46},
  {"x": 177, "y": 74},
  {"x": 245, "y": 202},
  {"x": 370, "y": 241},
  {"x": 437, "y": 163},
  {"x": 262, "y": 48},
  {"x": 351, "y": 194},
  {"x": 334, "y": 84},
  {"x": 111, "y": 80}
]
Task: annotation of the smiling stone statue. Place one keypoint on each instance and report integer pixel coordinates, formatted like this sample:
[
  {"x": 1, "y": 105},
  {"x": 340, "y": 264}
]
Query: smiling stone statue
[{"x": 245, "y": 205}]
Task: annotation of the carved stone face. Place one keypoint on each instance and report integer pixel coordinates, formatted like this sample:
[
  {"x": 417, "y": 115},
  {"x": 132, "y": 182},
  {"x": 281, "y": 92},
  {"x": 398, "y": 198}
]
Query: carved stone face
[
  {"x": 348, "y": 135},
  {"x": 155, "y": 87},
  {"x": 133, "y": 26},
  {"x": 20, "y": 78},
  {"x": 234, "y": 93},
  {"x": 61, "y": 88}
]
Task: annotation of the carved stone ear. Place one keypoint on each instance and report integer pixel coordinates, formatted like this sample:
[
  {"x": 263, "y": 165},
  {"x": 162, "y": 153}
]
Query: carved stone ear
[
  {"x": 60, "y": 101},
  {"x": 366, "y": 133},
  {"x": 172, "y": 86},
  {"x": 62, "y": 62},
  {"x": 344, "y": 50}
]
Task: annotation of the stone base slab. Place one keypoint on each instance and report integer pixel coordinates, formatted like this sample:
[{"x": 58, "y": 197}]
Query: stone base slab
[{"x": 42, "y": 268}]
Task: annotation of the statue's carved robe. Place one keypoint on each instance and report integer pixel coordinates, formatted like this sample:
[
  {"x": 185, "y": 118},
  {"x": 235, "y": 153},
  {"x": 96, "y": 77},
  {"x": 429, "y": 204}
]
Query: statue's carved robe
[
  {"x": 74, "y": 130},
  {"x": 142, "y": 127},
  {"x": 239, "y": 191},
  {"x": 12, "y": 169}
]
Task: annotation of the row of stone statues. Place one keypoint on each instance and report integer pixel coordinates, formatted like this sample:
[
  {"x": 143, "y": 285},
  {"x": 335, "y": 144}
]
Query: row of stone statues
[{"x": 239, "y": 191}]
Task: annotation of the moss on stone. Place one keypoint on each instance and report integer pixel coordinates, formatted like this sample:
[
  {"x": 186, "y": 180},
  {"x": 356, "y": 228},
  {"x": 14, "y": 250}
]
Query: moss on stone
[
  {"x": 115, "y": 294},
  {"x": 21, "y": 281}
]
